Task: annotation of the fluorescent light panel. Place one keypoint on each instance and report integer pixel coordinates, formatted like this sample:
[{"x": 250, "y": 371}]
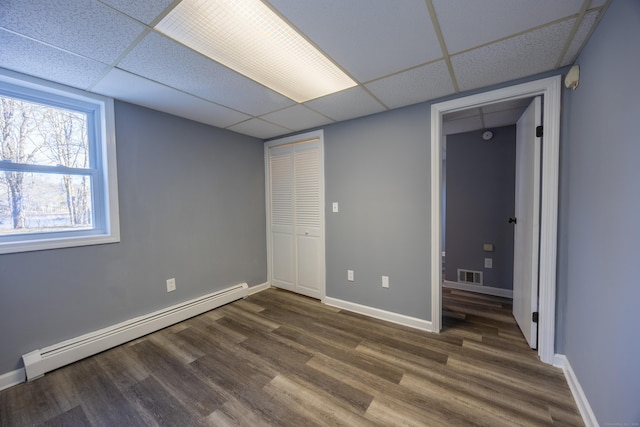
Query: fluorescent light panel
[{"x": 248, "y": 37}]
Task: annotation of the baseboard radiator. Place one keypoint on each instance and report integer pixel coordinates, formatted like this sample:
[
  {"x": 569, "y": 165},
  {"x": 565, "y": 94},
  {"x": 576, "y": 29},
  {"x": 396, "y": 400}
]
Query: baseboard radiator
[{"x": 39, "y": 362}]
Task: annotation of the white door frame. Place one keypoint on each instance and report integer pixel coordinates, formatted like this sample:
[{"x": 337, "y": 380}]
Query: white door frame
[
  {"x": 550, "y": 89},
  {"x": 290, "y": 140}
]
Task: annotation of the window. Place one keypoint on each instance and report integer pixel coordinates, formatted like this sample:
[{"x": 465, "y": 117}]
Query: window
[{"x": 58, "y": 183}]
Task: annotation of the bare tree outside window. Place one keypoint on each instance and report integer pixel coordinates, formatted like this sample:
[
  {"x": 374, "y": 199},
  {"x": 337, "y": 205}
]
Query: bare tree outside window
[
  {"x": 44, "y": 153},
  {"x": 18, "y": 125},
  {"x": 58, "y": 175},
  {"x": 65, "y": 142}
]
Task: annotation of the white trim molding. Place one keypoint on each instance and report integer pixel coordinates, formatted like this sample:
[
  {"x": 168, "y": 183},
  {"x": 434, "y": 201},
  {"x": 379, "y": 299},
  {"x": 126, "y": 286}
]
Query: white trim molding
[
  {"x": 389, "y": 316},
  {"x": 259, "y": 288},
  {"x": 101, "y": 118},
  {"x": 12, "y": 378},
  {"x": 589, "y": 418},
  {"x": 39, "y": 362},
  {"x": 550, "y": 89},
  {"x": 486, "y": 290}
]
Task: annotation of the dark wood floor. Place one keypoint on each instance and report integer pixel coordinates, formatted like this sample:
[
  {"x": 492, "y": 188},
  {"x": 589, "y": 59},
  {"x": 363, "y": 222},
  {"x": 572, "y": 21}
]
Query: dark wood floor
[{"x": 277, "y": 358}]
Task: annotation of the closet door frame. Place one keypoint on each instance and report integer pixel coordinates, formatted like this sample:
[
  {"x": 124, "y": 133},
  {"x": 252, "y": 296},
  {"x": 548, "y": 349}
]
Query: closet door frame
[{"x": 317, "y": 135}]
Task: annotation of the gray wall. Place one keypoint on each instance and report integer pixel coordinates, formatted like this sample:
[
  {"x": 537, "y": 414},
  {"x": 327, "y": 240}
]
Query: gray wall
[
  {"x": 192, "y": 206},
  {"x": 600, "y": 231},
  {"x": 377, "y": 168},
  {"x": 481, "y": 197}
]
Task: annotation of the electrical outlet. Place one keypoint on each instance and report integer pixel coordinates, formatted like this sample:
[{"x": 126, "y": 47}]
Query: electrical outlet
[
  {"x": 350, "y": 275},
  {"x": 488, "y": 263},
  {"x": 335, "y": 206},
  {"x": 171, "y": 285},
  {"x": 385, "y": 281}
]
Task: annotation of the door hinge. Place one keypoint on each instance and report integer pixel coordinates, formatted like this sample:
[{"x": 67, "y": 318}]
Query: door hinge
[
  {"x": 534, "y": 317},
  {"x": 539, "y": 132}
]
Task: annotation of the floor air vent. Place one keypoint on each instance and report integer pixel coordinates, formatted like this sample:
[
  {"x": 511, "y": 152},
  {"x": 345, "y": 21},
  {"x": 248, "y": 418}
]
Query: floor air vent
[{"x": 470, "y": 277}]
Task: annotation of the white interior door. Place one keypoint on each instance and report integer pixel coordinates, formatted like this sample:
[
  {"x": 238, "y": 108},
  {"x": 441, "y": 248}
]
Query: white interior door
[
  {"x": 296, "y": 203},
  {"x": 527, "y": 227}
]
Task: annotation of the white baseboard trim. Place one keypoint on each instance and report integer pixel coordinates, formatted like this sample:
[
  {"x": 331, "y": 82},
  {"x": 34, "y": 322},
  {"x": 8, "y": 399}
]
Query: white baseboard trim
[
  {"x": 259, "y": 288},
  {"x": 559, "y": 360},
  {"x": 589, "y": 418},
  {"x": 38, "y": 362},
  {"x": 487, "y": 290},
  {"x": 12, "y": 378},
  {"x": 377, "y": 313}
]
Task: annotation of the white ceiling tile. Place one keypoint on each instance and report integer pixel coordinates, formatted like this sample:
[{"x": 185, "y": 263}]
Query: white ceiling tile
[
  {"x": 30, "y": 57},
  {"x": 584, "y": 30},
  {"x": 489, "y": 116},
  {"x": 530, "y": 53},
  {"x": 382, "y": 43},
  {"x": 87, "y": 28},
  {"x": 507, "y": 105},
  {"x": 597, "y": 3},
  {"x": 137, "y": 90},
  {"x": 259, "y": 129},
  {"x": 347, "y": 104},
  {"x": 368, "y": 38},
  {"x": 469, "y": 112},
  {"x": 503, "y": 118},
  {"x": 466, "y": 124},
  {"x": 166, "y": 61},
  {"x": 296, "y": 118},
  {"x": 413, "y": 86},
  {"x": 466, "y": 24},
  {"x": 142, "y": 10}
]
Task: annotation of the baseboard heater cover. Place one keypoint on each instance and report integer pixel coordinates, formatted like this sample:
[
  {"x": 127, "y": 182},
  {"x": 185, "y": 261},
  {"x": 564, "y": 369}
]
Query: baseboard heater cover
[{"x": 39, "y": 362}]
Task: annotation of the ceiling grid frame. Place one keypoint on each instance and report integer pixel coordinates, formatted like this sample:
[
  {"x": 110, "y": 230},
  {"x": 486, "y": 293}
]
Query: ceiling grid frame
[{"x": 35, "y": 43}]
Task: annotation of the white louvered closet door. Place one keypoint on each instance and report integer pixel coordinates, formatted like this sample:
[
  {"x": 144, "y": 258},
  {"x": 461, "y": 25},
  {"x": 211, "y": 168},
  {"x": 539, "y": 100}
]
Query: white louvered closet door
[
  {"x": 282, "y": 220},
  {"x": 307, "y": 217},
  {"x": 296, "y": 218}
]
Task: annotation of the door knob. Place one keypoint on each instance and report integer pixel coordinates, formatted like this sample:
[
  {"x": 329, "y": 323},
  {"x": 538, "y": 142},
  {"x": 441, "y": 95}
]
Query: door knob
[{"x": 513, "y": 220}]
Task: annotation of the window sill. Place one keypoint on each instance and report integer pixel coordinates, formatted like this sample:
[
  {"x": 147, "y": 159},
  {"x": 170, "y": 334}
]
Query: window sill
[{"x": 56, "y": 243}]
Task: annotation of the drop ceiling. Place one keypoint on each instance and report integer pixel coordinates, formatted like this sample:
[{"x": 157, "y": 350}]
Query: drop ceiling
[
  {"x": 400, "y": 52},
  {"x": 490, "y": 116}
]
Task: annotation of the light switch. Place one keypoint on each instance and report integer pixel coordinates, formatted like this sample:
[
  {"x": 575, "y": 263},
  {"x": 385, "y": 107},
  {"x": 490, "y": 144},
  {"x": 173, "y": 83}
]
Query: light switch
[
  {"x": 385, "y": 281},
  {"x": 335, "y": 206}
]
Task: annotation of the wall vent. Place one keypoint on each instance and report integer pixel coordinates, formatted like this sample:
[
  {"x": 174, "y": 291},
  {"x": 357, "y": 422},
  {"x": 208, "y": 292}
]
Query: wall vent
[{"x": 470, "y": 277}]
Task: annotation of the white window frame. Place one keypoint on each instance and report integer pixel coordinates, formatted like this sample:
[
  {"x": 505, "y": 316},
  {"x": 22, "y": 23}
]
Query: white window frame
[{"x": 106, "y": 224}]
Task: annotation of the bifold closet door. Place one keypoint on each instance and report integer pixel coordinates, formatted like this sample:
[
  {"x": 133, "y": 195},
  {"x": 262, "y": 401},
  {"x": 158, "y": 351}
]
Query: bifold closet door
[
  {"x": 282, "y": 221},
  {"x": 307, "y": 217},
  {"x": 296, "y": 229}
]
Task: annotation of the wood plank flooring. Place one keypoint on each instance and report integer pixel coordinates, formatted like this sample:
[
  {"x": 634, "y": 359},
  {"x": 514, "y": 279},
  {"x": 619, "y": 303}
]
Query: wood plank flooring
[{"x": 277, "y": 358}]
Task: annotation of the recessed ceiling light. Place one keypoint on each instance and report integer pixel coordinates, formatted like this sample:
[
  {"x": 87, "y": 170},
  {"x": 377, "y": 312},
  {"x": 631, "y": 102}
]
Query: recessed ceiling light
[{"x": 248, "y": 37}]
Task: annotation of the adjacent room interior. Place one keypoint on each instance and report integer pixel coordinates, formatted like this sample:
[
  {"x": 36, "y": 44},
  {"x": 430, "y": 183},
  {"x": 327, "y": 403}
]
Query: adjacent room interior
[{"x": 197, "y": 228}]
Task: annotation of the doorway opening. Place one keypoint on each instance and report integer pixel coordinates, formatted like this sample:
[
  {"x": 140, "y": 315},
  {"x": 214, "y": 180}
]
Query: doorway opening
[
  {"x": 479, "y": 169},
  {"x": 550, "y": 90}
]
